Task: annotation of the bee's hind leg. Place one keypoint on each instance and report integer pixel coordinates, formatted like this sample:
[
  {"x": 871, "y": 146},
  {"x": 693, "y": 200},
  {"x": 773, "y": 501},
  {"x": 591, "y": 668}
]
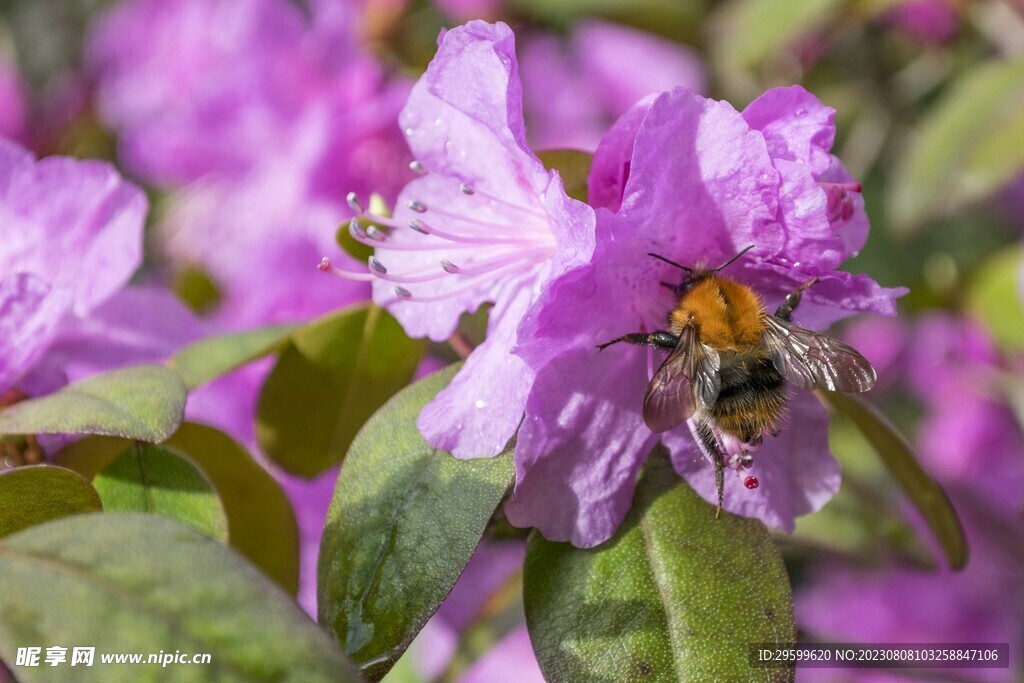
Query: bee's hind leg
[
  {"x": 793, "y": 300},
  {"x": 710, "y": 445},
  {"x": 659, "y": 339}
]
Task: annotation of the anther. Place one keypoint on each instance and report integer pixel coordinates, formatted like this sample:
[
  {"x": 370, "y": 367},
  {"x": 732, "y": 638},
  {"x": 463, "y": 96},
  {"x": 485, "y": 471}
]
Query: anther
[
  {"x": 356, "y": 228},
  {"x": 403, "y": 293},
  {"x": 417, "y": 167},
  {"x": 419, "y": 226},
  {"x": 417, "y": 206},
  {"x": 325, "y": 265},
  {"x": 449, "y": 267},
  {"x": 374, "y": 234},
  {"x": 353, "y": 203},
  {"x": 377, "y": 267},
  {"x": 467, "y": 189}
]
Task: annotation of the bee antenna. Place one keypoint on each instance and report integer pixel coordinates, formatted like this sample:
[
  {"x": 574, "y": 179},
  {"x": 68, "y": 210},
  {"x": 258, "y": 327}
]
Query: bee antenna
[
  {"x": 671, "y": 263},
  {"x": 733, "y": 259}
]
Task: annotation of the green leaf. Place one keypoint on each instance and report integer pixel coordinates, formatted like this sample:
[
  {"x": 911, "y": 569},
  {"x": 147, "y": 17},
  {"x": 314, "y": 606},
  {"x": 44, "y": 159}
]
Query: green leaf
[
  {"x": 144, "y": 402},
  {"x": 261, "y": 524},
  {"x": 676, "y": 595},
  {"x": 967, "y": 147},
  {"x": 329, "y": 380},
  {"x": 767, "y": 27},
  {"x": 161, "y": 482},
  {"x": 125, "y": 582},
  {"x": 210, "y": 358},
  {"x": 574, "y": 167},
  {"x": 403, "y": 523},
  {"x": 994, "y": 296},
  {"x": 357, "y": 250},
  {"x": 196, "y": 288},
  {"x": 899, "y": 459},
  {"x": 38, "y": 493}
]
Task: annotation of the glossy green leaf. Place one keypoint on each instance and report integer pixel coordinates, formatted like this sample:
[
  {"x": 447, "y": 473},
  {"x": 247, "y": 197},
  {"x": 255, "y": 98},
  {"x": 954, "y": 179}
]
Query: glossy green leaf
[
  {"x": 574, "y": 167},
  {"x": 676, "y": 595},
  {"x": 330, "y": 378},
  {"x": 261, "y": 524},
  {"x": 210, "y": 358},
  {"x": 995, "y": 297},
  {"x": 125, "y": 582},
  {"x": 403, "y": 523},
  {"x": 966, "y": 148},
  {"x": 159, "y": 481},
  {"x": 898, "y": 456},
  {"x": 144, "y": 402},
  {"x": 39, "y": 493}
]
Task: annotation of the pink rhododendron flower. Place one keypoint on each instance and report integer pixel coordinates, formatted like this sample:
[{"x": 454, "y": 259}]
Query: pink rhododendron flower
[
  {"x": 263, "y": 120},
  {"x": 695, "y": 181},
  {"x": 70, "y": 237},
  {"x": 486, "y": 223},
  {"x": 574, "y": 91},
  {"x": 680, "y": 175},
  {"x": 217, "y": 86}
]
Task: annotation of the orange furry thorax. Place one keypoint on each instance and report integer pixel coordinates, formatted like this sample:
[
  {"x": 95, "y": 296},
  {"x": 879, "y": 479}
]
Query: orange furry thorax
[{"x": 729, "y": 315}]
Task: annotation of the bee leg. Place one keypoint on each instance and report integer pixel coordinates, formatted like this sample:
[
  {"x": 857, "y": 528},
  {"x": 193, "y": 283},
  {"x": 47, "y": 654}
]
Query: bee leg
[
  {"x": 719, "y": 484},
  {"x": 659, "y": 339},
  {"x": 793, "y": 300},
  {"x": 710, "y": 445}
]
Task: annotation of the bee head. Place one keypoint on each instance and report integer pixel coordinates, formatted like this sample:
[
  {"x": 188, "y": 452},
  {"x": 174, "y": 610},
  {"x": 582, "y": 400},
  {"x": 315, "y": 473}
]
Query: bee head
[{"x": 696, "y": 274}]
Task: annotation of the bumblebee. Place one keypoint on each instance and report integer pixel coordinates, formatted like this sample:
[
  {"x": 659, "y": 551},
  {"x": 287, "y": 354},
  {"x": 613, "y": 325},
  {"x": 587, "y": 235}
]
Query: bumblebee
[{"x": 730, "y": 362}]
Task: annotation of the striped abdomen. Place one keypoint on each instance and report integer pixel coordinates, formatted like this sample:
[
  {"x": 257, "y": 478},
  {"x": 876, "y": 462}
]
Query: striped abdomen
[{"x": 752, "y": 397}]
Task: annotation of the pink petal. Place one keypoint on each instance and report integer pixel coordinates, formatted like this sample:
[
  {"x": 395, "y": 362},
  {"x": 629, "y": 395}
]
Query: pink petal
[
  {"x": 796, "y": 126},
  {"x": 580, "y": 447},
  {"x": 478, "y": 413},
  {"x": 797, "y": 473}
]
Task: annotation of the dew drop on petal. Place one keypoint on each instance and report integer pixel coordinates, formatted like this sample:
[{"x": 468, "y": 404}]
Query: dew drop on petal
[{"x": 751, "y": 483}]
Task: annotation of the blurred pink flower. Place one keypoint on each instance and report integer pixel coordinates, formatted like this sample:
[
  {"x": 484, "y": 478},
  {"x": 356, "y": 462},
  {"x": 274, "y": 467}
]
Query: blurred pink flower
[
  {"x": 573, "y": 90},
  {"x": 461, "y": 11},
  {"x": 970, "y": 441},
  {"x": 511, "y": 659},
  {"x": 930, "y": 21},
  {"x": 903, "y": 606},
  {"x": 13, "y": 103},
  {"x": 70, "y": 237}
]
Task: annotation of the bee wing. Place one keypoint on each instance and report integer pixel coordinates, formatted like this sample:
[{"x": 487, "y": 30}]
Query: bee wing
[
  {"x": 687, "y": 379},
  {"x": 816, "y": 361}
]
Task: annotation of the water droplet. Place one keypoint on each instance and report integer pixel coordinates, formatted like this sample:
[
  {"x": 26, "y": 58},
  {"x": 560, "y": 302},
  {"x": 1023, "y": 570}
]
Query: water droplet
[
  {"x": 480, "y": 404},
  {"x": 800, "y": 112},
  {"x": 409, "y": 132},
  {"x": 751, "y": 483}
]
